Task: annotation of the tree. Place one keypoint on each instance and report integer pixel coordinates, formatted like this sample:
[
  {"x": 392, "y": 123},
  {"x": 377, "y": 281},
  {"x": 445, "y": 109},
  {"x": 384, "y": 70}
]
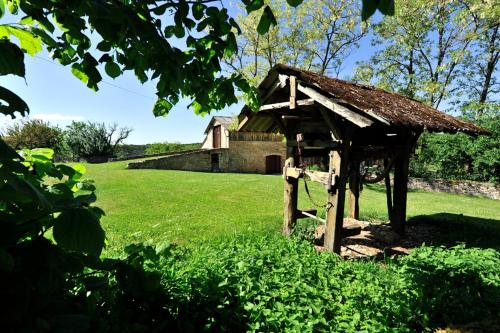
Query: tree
[
  {"x": 318, "y": 36},
  {"x": 422, "y": 47},
  {"x": 32, "y": 133},
  {"x": 93, "y": 140},
  {"x": 477, "y": 83}
]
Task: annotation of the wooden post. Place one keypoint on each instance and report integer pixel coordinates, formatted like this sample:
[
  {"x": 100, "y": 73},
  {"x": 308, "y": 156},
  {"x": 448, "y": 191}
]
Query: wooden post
[
  {"x": 293, "y": 92},
  {"x": 398, "y": 214},
  {"x": 336, "y": 197},
  {"x": 388, "y": 191},
  {"x": 354, "y": 187},
  {"x": 290, "y": 197}
]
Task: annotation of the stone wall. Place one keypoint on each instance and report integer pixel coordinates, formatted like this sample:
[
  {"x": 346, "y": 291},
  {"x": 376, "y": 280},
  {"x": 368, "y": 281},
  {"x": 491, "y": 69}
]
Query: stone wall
[
  {"x": 194, "y": 161},
  {"x": 242, "y": 156},
  {"x": 250, "y": 156},
  {"x": 468, "y": 187}
]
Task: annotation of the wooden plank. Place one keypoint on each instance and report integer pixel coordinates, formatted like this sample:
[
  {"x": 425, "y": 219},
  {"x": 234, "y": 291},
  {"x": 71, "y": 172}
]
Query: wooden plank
[
  {"x": 290, "y": 197},
  {"x": 398, "y": 214},
  {"x": 279, "y": 83},
  {"x": 342, "y": 111},
  {"x": 388, "y": 191},
  {"x": 285, "y": 105},
  {"x": 354, "y": 187},
  {"x": 293, "y": 92},
  {"x": 335, "y": 131},
  {"x": 242, "y": 123},
  {"x": 292, "y": 172},
  {"x": 336, "y": 198},
  {"x": 321, "y": 177},
  {"x": 307, "y": 212},
  {"x": 311, "y": 144}
]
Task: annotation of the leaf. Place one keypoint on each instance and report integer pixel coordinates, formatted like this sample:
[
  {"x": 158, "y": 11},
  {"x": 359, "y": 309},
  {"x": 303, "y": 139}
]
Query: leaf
[
  {"x": 386, "y": 7},
  {"x": 294, "y": 3},
  {"x": 79, "y": 229},
  {"x": 2, "y": 8},
  {"x": 254, "y": 5},
  {"x": 162, "y": 107},
  {"x": 198, "y": 10},
  {"x": 11, "y": 59},
  {"x": 11, "y": 103},
  {"x": 266, "y": 20},
  {"x": 368, "y": 9},
  {"x": 112, "y": 69},
  {"x": 6, "y": 151},
  {"x": 30, "y": 43}
]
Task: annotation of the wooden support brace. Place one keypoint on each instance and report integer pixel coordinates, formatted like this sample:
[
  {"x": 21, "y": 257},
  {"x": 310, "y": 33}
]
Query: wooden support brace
[
  {"x": 290, "y": 198},
  {"x": 336, "y": 199},
  {"x": 354, "y": 189},
  {"x": 293, "y": 92}
]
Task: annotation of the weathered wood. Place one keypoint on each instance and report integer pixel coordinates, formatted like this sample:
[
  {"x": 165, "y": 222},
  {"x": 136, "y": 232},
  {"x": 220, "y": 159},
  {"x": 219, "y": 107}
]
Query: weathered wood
[
  {"x": 290, "y": 197},
  {"x": 342, "y": 111},
  {"x": 398, "y": 213},
  {"x": 286, "y": 105},
  {"x": 354, "y": 188},
  {"x": 293, "y": 92},
  {"x": 278, "y": 83},
  {"x": 307, "y": 212},
  {"x": 388, "y": 191},
  {"x": 321, "y": 177},
  {"x": 315, "y": 144},
  {"x": 292, "y": 172},
  {"x": 334, "y": 130},
  {"x": 336, "y": 199},
  {"x": 312, "y": 216},
  {"x": 283, "y": 129},
  {"x": 350, "y": 230}
]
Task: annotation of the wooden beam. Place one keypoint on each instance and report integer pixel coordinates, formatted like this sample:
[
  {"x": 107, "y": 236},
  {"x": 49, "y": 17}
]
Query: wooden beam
[
  {"x": 315, "y": 144},
  {"x": 293, "y": 91},
  {"x": 342, "y": 111},
  {"x": 280, "y": 124},
  {"x": 279, "y": 83},
  {"x": 292, "y": 172},
  {"x": 285, "y": 105},
  {"x": 290, "y": 197},
  {"x": 354, "y": 189},
  {"x": 333, "y": 129},
  {"x": 336, "y": 197},
  {"x": 242, "y": 123},
  {"x": 321, "y": 177},
  {"x": 388, "y": 191}
]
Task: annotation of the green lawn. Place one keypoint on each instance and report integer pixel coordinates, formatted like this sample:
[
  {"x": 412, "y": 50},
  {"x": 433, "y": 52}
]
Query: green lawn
[{"x": 187, "y": 207}]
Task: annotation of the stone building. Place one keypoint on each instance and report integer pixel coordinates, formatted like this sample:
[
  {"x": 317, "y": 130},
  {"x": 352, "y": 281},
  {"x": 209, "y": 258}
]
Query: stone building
[{"x": 226, "y": 150}]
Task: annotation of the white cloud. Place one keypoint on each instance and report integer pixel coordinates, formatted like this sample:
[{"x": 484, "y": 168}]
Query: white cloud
[{"x": 56, "y": 117}]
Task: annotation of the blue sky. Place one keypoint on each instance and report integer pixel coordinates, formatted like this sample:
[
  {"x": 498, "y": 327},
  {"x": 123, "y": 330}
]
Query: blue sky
[{"x": 54, "y": 94}]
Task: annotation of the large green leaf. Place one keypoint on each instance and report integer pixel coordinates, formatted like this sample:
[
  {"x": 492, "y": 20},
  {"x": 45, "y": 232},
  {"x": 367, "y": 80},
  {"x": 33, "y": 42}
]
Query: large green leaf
[
  {"x": 266, "y": 20},
  {"x": 11, "y": 103},
  {"x": 112, "y": 69},
  {"x": 2, "y": 8},
  {"x": 29, "y": 42},
  {"x": 369, "y": 8},
  {"x": 79, "y": 230},
  {"x": 11, "y": 59},
  {"x": 162, "y": 107},
  {"x": 386, "y": 7}
]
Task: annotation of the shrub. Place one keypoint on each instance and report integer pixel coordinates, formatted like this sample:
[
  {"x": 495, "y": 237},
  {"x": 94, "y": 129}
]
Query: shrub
[
  {"x": 33, "y": 133},
  {"x": 169, "y": 147}
]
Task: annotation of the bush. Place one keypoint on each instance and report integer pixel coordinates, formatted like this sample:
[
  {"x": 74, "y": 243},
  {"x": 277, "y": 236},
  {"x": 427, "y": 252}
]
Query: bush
[
  {"x": 459, "y": 156},
  {"x": 33, "y": 133},
  {"x": 169, "y": 147}
]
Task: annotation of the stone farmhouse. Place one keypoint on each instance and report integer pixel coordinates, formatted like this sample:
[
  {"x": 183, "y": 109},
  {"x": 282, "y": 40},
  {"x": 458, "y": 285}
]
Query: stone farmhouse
[{"x": 226, "y": 150}]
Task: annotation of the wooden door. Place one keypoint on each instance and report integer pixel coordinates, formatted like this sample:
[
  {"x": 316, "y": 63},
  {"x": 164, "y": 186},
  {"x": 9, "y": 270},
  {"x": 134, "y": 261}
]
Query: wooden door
[
  {"x": 216, "y": 136},
  {"x": 273, "y": 164}
]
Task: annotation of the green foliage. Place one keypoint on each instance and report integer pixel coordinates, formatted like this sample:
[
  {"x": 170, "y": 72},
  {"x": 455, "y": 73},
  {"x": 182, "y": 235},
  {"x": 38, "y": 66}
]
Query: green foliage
[
  {"x": 92, "y": 141},
  {"x": 277, "y": 284},
  {"x": 460, "y": 156},
  {"x": 39, "y": 278},
  {"x": 169, "y": 147},
  {"x": 33, "y": 133}
]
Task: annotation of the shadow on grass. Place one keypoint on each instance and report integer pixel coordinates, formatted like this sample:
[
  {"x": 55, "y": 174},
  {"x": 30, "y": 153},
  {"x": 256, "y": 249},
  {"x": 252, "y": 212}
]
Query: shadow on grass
[{"x": 457, "y": 228}]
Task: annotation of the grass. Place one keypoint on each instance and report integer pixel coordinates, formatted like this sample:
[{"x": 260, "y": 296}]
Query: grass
[{"x": 188, "y": 207}]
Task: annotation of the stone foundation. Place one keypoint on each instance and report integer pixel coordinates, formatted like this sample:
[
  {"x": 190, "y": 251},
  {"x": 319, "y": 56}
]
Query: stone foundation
[{"x": 468, "y": 187}]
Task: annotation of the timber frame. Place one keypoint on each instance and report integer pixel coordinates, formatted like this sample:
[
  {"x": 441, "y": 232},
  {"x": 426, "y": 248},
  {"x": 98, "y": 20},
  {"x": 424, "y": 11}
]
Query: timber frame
[{"x": 318, "y": 124}]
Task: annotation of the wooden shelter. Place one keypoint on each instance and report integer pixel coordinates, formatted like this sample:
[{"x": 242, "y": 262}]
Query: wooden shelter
[{"x": 349, "y": 123}]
